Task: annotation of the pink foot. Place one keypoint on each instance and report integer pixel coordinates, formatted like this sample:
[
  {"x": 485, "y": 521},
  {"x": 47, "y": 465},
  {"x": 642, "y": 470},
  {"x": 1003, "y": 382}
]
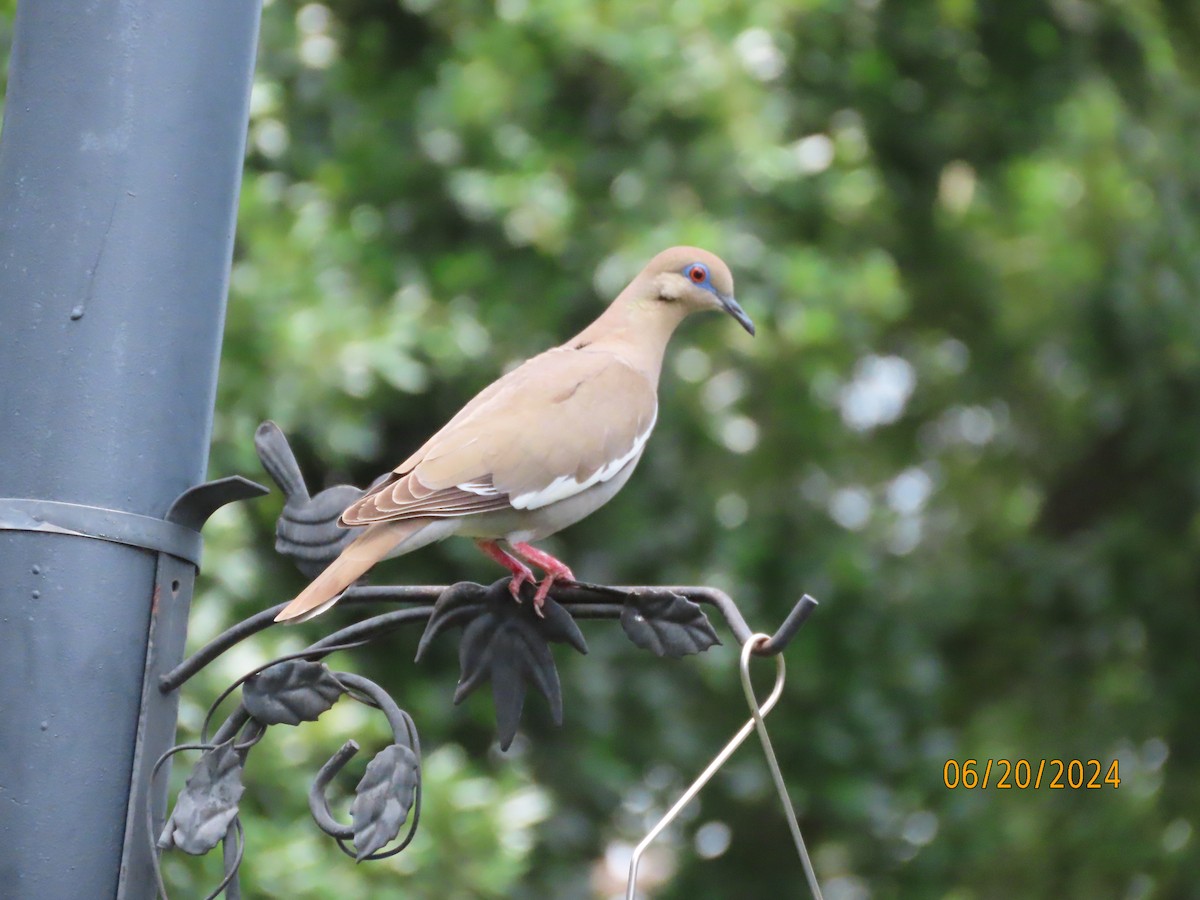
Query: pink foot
[
  {"x": 521, "y": 573},
  {"x": 555, "y": 570}
]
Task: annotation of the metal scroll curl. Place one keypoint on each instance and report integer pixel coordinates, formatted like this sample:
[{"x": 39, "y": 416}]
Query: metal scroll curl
[{"x": 501, "y": 643}]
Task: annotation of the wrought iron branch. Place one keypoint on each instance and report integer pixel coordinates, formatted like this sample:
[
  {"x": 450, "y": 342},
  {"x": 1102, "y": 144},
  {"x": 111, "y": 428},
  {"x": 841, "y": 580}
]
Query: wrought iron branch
[{"x": 502, "y": 642}]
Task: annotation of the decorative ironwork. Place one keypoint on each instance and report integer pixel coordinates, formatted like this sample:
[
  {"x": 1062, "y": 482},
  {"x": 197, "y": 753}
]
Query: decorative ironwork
[{"x": 501, "y": 642}]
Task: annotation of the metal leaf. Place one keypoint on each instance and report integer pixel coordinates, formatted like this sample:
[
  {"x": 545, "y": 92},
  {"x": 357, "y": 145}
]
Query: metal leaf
[
  {"x": 291, "y": 692},
  {"x": 558, "y": 625},
  {"x": 668, "y": 625},
  {"x": 383, "y": 798},
  {"x": 464, "y": 595},
  {"x": 507, "y": 643},
  {"x": 207, "y": 803},
  {"x": 511, "y": 656}
]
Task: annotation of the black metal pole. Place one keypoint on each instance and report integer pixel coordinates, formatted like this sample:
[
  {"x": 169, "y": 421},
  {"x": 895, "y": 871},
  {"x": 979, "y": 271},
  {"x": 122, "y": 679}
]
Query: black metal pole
[{"x": 120, "y": 162}]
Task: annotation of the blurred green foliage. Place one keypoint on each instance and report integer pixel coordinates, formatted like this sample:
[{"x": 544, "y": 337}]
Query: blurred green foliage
[{"x": 969, "y": 232}]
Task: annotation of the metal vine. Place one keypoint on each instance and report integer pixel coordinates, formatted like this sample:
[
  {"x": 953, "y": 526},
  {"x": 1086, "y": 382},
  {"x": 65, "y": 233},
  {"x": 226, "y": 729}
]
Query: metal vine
[{"x": 502, "y": 643}]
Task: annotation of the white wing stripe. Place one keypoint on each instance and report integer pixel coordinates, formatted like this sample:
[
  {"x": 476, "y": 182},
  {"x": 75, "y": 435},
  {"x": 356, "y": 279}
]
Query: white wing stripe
[
  {"x": 565, "y": 486},
  {"x": 479, "y": 488}
]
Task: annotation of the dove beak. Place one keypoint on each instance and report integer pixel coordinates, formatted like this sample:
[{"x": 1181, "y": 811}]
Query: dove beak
[{"x": 732, "y": 307}]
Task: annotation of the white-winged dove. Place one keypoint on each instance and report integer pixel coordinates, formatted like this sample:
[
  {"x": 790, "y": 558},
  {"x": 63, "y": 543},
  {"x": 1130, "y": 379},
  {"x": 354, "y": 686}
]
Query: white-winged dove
[{"x": 542, "y": 447}]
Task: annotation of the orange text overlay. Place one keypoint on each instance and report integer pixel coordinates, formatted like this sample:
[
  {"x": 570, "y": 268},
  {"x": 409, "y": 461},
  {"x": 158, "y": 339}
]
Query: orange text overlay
[{"x": 1030, "y": 774}]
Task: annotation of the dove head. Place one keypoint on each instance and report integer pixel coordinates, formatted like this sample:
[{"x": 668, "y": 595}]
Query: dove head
[
  {"x": 692, "y": 279},
  {"x": 676, "y": 283}
]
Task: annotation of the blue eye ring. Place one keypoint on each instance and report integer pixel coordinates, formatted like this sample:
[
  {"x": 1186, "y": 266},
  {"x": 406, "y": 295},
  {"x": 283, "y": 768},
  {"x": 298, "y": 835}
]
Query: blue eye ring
[{"x": 697, "y": 273}]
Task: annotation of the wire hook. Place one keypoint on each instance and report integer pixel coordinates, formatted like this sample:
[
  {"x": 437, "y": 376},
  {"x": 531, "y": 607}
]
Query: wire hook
[
  {"x": 718, "y": 761},
  {"x": 759, "y": 715}
]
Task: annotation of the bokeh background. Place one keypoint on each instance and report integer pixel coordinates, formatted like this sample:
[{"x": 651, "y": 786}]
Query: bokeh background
[{"x": 969, "y": 232}]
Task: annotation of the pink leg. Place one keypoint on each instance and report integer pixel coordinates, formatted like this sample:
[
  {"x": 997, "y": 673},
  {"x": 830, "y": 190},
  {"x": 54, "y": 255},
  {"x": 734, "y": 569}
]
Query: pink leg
[
  {"x": 520, "y": 572},
  {"x": 555, "y": 570}
]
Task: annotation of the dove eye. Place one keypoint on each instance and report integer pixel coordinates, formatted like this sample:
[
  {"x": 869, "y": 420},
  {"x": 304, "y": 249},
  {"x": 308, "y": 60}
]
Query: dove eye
[{"x": 698, "y": 273}]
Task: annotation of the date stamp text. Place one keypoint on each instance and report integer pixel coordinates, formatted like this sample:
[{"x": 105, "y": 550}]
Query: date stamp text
[{"x": 1026, "y": 774}]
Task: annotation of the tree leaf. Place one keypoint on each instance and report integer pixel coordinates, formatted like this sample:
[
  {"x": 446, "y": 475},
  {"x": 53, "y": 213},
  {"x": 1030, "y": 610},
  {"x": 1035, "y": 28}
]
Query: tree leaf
[
  {"x": 668, "y": 625},
  {"x": 207, "y": 803},
  {"x": 291, "y": 692},
  {"x": 383, "y": 798}
]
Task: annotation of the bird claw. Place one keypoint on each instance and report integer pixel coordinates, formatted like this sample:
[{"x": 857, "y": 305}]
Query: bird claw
[
  {"x": 543, "y": 591},
  {"x": 521, "y": 573},
  {"x": 518, "y": 579}
]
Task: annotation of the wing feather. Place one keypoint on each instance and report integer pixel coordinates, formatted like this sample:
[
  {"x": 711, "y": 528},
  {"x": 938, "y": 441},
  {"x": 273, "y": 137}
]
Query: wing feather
[{"x": 560, "y": 423}]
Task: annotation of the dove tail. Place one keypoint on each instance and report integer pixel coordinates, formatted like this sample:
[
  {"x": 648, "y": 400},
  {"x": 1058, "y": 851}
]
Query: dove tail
[{"x": 376, "y": 543}]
